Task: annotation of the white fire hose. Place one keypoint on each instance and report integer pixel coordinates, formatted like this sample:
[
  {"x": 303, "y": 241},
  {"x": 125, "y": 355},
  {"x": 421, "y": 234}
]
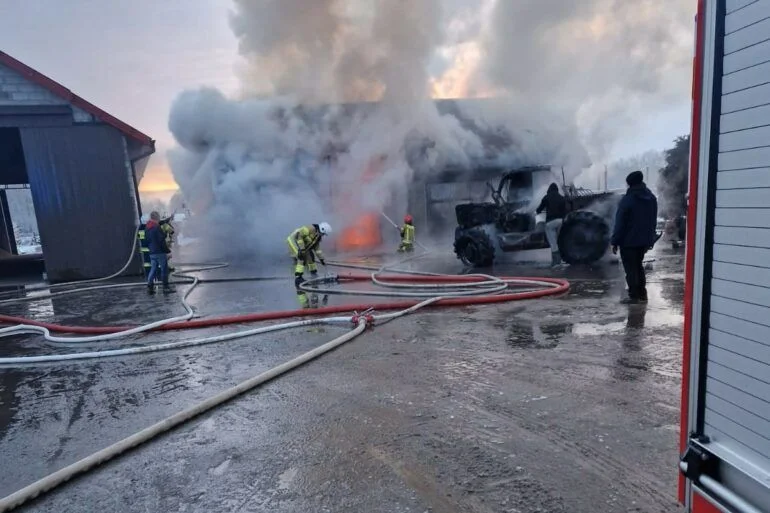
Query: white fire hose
[{"x": 490, "y": 286}]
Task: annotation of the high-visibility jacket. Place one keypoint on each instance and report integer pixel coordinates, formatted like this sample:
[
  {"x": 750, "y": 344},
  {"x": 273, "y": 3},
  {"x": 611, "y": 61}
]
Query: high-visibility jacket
[
  {"x": 143, "y": 247},
  {"x": 306, "y": 238},
  {"x": 407, "y": 234},
  {"x": 168, "y": 229}
]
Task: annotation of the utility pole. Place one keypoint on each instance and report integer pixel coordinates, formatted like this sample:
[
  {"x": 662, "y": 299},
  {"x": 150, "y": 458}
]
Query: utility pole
[{"x": 606, "y": 187}]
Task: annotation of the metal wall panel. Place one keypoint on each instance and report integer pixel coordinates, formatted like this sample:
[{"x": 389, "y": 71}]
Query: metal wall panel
[
  {"x": 7, "y": 239},
  {"x": 744, "y": 159},
  {"x": 756, "y": 116},
  {"x": 744, "y": 179},
  {"x": 740, "y": 291},
  {"x": 738, "y": 236},
  {"x": 741, "y": 274},
  {"x": 756, "y": 257},
  {"x": 745, "y": 139},
  {"x": 740, "y": 398},
  {"x": 748, "y": 57},
  {"x": 744, "y": 198},
  {"x": 746, "y": 78},
  {"x": 749, "y": 15},
  {"x": 83, "y": 195},
  {"x": 734, "y": 5},
  {"x": 746, "y": 99},
  {"x": 737, "y": 379},
  {"x": 746, "y": 37}
]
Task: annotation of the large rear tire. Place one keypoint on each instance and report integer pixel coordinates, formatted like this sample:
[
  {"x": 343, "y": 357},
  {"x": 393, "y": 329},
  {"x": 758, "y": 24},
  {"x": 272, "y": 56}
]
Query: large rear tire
[
  {"x": 584, "y": 238},
  {"x": 475, "y": 248}
]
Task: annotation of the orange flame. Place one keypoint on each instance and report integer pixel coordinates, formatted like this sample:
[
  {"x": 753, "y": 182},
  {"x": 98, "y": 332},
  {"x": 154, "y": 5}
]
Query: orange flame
[{"x": 363, "y": 232}]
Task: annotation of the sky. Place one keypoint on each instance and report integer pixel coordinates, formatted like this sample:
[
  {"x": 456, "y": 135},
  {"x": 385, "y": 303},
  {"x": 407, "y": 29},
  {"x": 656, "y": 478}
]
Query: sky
[{"x": 132, "y": 58}]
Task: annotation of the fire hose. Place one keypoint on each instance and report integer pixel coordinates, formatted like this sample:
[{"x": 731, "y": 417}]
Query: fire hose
[
  {"x": 436, "y": 285},
  {"x": 451, "y": 290}
]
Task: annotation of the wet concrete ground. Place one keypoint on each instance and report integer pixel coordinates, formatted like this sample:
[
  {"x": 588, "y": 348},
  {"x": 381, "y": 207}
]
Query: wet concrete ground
[{"x": 553, "y": 405}]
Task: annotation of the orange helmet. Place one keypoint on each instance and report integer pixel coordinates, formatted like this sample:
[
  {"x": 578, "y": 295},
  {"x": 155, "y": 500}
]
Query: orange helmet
[{"x": 408, "y": 219}]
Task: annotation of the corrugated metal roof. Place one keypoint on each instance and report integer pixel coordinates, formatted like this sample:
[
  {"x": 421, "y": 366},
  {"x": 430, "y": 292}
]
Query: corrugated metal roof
[{"x": 64, "y": 93}]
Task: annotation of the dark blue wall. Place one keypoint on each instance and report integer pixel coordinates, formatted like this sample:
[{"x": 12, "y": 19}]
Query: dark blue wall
[{"x": 84, "y": 199}]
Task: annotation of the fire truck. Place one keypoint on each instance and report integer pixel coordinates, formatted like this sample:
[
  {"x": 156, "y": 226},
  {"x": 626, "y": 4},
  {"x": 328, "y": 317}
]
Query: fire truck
[{"x": 725, "y": 424}]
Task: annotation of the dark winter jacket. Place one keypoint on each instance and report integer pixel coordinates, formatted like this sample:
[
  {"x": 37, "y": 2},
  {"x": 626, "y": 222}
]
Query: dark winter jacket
[
  {"x": 156, "y": 238},
  {"x": 554, "y": 204},
  {"x": 636, "y": 219}
]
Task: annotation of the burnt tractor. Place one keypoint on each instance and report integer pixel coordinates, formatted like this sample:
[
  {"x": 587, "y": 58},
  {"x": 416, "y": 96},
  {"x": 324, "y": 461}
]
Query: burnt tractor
[{"x": 508, "y": 222}]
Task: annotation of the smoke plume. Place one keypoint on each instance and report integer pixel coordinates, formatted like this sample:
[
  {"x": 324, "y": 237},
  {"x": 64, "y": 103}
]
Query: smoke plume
[
  {"x": 335, "y": 89},
  {"x": 606, "y": 60}
]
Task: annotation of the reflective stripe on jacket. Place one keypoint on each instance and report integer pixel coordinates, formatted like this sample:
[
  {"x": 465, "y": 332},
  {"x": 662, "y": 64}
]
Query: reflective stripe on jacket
[
  {"x": 407, "y": 233},
  {"x": 306, "y": 238}
]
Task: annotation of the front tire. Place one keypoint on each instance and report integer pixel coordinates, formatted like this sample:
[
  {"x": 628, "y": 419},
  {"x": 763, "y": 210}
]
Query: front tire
[
  {"x": 583, "y": 238},
  {"x": 475, "y": 248}
]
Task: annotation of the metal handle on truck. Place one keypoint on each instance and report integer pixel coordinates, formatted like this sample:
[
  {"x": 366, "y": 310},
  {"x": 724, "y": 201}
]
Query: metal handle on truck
[{"x": 696, "y": 463}]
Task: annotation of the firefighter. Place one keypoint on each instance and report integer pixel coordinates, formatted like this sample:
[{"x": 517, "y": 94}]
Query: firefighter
[
  {"x": 145, "y": 250},
  {"x": 304, "y": 247},
  {"x": 168, "y": 230},
  {"x": 407, "y": 235}
]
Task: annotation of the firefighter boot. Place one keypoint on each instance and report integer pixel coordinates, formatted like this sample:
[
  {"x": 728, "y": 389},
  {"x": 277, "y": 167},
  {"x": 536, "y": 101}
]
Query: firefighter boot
[
  {"x": 298, "y": 279},
  {"x": 555, "y": 259},
  {"x": 151, "y": 288},
  {"x": 168, "y": 289}
]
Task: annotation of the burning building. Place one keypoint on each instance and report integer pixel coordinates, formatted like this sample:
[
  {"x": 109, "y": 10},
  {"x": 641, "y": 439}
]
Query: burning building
[
  {"x": 82, "y": 166},
  {"x": 244, "y": 162}
]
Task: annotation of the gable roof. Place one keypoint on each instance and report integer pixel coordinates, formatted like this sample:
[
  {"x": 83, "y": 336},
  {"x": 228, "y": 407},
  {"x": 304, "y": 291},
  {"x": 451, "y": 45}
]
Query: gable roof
[{"x": 75, "y": 100}]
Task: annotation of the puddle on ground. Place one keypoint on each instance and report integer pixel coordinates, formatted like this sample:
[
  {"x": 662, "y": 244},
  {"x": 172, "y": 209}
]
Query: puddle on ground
[
  {"x": 585, "y": 329},
  {"x": 535, "y": 336},
  {"x": 41, "y": 309}
]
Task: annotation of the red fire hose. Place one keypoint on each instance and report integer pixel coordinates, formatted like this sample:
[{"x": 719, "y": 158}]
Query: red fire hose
[{"x": 561, "y": 287}]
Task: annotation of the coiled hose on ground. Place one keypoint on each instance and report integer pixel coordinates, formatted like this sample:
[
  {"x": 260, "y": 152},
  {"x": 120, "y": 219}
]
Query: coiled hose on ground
[{"x": 440, "y": 290}]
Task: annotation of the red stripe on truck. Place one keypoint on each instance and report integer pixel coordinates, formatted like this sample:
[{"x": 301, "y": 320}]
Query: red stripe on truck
[{"x": 697, "y": 93}]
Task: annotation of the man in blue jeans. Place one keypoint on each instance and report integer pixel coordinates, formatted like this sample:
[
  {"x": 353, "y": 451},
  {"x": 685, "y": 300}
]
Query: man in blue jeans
[{"x": 156, "y": 243}]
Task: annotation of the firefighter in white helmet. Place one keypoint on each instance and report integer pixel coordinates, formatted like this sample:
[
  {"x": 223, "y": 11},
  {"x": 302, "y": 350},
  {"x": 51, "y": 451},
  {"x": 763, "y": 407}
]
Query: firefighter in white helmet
[{"x": 304, "y": 247}]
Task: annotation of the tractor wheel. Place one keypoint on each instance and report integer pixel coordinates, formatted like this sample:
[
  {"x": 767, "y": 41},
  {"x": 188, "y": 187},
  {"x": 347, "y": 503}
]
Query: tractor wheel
[
  {"x": 583, "y": 238},
  {"x": 475, "y": 248}
]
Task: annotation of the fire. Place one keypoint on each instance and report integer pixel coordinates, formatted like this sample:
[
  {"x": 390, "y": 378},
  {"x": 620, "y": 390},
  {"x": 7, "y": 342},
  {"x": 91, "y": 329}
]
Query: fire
[
  {"x": 363, "y": 234},
  {"x": 364, "y": 231}
]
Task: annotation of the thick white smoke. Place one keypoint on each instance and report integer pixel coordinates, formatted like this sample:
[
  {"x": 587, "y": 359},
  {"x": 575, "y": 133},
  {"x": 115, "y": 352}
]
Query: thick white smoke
[
  {"x": 300, "y": 138},
  {"x": 609, "y": 61}
]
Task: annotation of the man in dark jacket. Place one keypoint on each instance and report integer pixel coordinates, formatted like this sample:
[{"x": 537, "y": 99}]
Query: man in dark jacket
[
  {"x": 555, "y": 207},
  {"x": 634, "y": 234},
  {"x": 156, "y": 243}
]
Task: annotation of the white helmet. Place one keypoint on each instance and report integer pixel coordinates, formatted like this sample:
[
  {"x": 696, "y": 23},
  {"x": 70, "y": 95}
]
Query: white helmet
[{"x": 325, "y": 228}]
